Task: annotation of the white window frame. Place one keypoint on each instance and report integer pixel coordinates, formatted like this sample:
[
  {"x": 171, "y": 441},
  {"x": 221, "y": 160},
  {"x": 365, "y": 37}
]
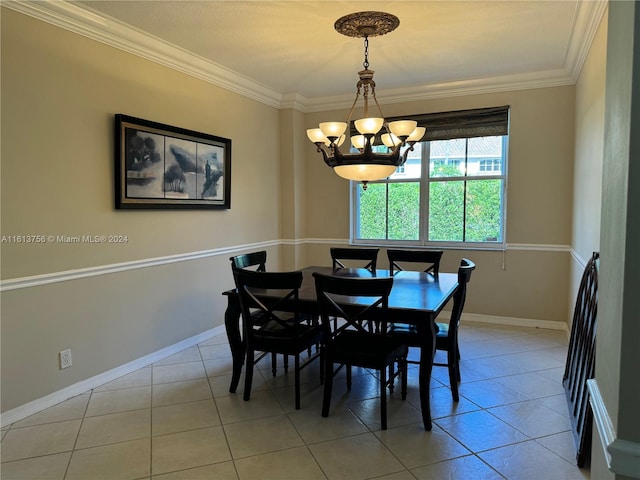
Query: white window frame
[{"x": 425, "y": 182}]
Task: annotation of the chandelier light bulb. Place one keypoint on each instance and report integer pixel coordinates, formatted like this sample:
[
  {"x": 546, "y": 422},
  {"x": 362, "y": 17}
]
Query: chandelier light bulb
[
  {"x": 390, "y": 140},
  {"x": 417, "y": 134},
  {"x": 332, "y": 130},
  {"x": 369, "y": 126},
  {"x": 358, "y": 141},
  {"x": 402, "y": 128},
  {"x": 316, "y": 135}
]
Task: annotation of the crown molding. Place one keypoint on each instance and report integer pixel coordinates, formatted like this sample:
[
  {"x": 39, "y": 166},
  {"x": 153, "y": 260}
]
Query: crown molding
[
  {"x": 585, "y": 26},
  {"x": 504, "y": 83},
  {"x": 122, "y": 36}
]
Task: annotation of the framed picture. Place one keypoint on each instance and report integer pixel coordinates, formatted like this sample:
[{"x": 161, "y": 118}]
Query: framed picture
[{"x": 159, "y": 166}]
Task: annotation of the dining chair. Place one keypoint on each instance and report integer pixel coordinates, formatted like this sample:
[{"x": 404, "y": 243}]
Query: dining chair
[
  {"x": 268, "y": 330},
  {"x": 369, "y": 255},
  {"x": 257, "y": 261},
  {"x": 447, "y": 333},
  {"x": 430, "y": 259},
  {"x": 351, "y": 343}
]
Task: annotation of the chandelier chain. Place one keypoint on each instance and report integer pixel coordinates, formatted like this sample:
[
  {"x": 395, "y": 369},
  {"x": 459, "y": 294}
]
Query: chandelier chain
[{"x": 365, "y": 64}]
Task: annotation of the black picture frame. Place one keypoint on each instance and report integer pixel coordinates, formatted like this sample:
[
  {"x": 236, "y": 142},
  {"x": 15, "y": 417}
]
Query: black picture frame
[{"x": 164, "y": 167}]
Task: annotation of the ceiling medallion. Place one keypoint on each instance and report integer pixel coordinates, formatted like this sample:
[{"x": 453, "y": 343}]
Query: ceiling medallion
[{"x": 369, "y": 24}]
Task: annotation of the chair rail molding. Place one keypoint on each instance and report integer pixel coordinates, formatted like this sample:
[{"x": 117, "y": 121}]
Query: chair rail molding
[{"x": 75, "y": 274}]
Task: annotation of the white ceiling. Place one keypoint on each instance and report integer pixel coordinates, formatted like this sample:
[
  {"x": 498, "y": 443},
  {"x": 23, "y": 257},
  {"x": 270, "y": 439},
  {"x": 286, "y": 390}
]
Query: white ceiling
[{"x": 288, "y": 51}]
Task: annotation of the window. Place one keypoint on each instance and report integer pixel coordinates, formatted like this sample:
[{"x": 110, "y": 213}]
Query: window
[{"x": 450, "y": 192}]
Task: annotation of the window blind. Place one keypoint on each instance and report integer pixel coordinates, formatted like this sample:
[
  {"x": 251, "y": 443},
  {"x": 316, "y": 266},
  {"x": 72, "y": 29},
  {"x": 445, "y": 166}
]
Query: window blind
[{"x": 478, "y": 122}]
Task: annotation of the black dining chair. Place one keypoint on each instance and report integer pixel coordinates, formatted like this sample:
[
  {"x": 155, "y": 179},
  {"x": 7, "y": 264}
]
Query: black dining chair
[
  {"x": 369, "y": 255},
  {"x": 351, "y": 343},
  {"x": 429, "y": 259},
  {"x": 257, "y": 261},
  {"x": 268, "y": 330},
  {"x": 447, "y": 333}
]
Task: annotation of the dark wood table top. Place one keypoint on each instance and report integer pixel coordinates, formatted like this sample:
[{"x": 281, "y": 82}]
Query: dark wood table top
[{"x": 415, "y": 296}]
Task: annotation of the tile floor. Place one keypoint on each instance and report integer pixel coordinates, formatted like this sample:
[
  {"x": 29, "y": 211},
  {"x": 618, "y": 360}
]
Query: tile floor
[{"x": 176, "y": 420}]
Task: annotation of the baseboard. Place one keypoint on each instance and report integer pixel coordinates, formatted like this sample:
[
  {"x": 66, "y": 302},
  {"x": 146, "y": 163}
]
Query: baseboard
[
  {"x": 622, "y": 456},
  {"x": 35, "y": 406},
  {"x": 514, "y": 321}
]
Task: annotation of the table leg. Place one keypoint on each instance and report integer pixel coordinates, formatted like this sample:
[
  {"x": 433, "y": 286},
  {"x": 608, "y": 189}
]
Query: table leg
[
  {"x": 427, "y": 332},
  {"x": 232, "y": 324}
]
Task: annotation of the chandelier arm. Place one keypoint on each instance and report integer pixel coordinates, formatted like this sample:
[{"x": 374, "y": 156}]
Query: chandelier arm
[{"x": 353, "y": 106}]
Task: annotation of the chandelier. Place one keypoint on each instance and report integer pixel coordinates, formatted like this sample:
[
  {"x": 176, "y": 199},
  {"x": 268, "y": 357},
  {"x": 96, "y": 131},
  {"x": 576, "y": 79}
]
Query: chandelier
[{"x": 366, "y": 164}]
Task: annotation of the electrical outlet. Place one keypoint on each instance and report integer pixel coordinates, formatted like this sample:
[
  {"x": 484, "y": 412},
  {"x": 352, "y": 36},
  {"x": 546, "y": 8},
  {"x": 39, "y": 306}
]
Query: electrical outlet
[{"x": 65, "y": 359}]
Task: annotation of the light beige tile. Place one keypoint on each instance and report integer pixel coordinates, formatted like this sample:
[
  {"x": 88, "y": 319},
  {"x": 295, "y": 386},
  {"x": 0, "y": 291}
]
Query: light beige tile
[
  {"x": 262, "y": 435},
  {"x": 220, "y": 385},
  {"x": 178, "y": 372},
  {"x": 492, "y": 367},
  {"x": 291, "y": 464},
  {"x": 195, "y": 448},
  {"x": 442, "y": 405},
  {"x": 217, "y": 471},
  {"x": 416, "y": 447},
  {"x": 532, "y": 418},
  {"x": 49, "y": 467},
  {"x": 531, "y": 461},
  {"x": 557, "y": 403},
  {"x": 490, "y": 393},
  {"x": 233, "y": 408},
  {"x": 191, "y": 354},
  {"x": 463, "y": 468},
  {"x": 115, "y": 401},
  {"x": 118, "y": 461},
  {"x": 219, "y": 366},
  {"x": 184, "y": 416},
  {"x": 219, "y": 339},
  {"x": 181, "y": 392},
  {"x": 216, "y": 350},
  {"x": 399, "y": 412},
  {"x": 71, "y": 409},
  {"x": 479, "y": 431},
  {"x": 562, "y": 444},
  {"x": 114, "y": 427},
  {"x": 139, "y": 378},
  {"x": 406, "y": 475},
  {"x": 37, "y": 440},
  {"x": 357, "y": 457},
  {"x": 314, "y": 428},
  {"x": 539, "y": 359},
  {"x": 532, "y": 385}
]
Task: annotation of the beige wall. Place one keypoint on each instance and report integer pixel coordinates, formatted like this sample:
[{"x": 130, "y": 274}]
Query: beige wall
[
  {"x": 59, "y": 94},
  {"x": 531, "y": 278},
  {"x": 589, "y": 147}
]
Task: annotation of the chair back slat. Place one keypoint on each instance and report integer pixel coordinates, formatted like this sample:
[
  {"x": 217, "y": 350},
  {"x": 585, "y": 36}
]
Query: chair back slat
[
  {"x": 372, "y": 304},
  {"x": 369, "y": 255},
  {"x": 247, "y": 260},
  {"x": 429, "y": 258},
  {"x": 263, "y": 315}
]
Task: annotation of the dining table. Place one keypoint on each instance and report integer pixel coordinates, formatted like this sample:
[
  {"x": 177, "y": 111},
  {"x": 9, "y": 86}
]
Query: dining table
[{"x": 416, "y": 298}]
